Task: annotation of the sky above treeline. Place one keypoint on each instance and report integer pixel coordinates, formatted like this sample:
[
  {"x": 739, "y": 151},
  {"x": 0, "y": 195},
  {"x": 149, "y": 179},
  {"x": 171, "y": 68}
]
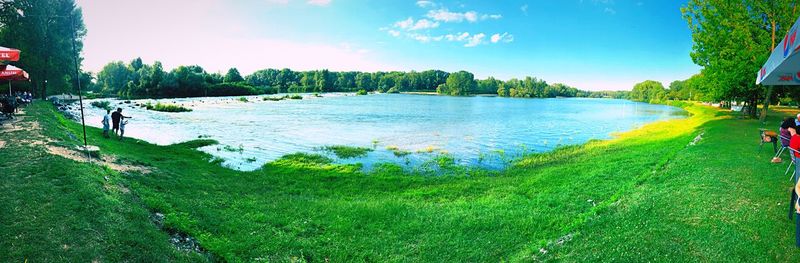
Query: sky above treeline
[{"x": 589, "y": 44}]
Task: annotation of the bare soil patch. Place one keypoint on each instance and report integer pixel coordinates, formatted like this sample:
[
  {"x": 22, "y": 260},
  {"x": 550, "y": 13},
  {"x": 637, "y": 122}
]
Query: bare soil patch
[{"x": 107, "y": 160}]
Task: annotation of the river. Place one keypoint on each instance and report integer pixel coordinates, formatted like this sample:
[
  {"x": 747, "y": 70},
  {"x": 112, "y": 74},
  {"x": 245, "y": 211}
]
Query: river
[{"x": 480, "y": 131}]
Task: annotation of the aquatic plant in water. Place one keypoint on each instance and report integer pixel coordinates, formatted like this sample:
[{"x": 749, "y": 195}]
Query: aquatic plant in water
[{"x": 346, "y": 152}]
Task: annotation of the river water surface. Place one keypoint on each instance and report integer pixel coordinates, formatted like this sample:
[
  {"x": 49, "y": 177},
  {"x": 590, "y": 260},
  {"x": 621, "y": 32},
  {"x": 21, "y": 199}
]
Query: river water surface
[{"x": 481, "y": 131}]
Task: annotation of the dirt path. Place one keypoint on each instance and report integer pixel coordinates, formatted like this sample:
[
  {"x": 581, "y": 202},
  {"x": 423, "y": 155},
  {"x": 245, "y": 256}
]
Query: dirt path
[
  {"x": 107, "y": 160},
  {"x": 20, "y": 123}
]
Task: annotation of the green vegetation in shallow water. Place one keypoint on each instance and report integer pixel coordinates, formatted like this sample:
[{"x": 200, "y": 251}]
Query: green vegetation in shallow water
[
  {"x": 229, "y": 148},
  {"x": 103, "y": 104},
  {"x": 274, "y": 98},
  {"x": 166, "y": 107},
  {"x": 296, "y": 97},
  {"x": 347, "y": 152},
  {"x": 429, "y": 149},
  {"x": 243, "y": 99},
  {"x": 361, "y": 92},
  {"x": 400, "y": 153}
]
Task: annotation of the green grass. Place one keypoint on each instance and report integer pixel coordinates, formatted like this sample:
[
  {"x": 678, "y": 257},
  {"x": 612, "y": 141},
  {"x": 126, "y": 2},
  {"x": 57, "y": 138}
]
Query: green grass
[
  {"x": 54, "y": 209},
  {"x": 644, "y": 196},
  {"x": 166, "y": 107},
  {"x": 347, "y": 152}
]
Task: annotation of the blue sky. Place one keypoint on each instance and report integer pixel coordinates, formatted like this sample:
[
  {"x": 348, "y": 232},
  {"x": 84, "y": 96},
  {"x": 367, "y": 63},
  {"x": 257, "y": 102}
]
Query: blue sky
[{"x": 590, "y": 44}]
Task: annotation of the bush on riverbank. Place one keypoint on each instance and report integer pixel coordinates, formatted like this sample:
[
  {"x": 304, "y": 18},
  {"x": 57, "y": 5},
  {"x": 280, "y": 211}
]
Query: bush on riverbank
[
  {"x": 231, "y": 89},
  {"x": 166, "y": 107}
]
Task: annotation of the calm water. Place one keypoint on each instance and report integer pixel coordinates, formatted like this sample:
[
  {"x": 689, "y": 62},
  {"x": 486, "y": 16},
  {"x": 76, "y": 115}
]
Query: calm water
[{"x": 482, "y": 131}]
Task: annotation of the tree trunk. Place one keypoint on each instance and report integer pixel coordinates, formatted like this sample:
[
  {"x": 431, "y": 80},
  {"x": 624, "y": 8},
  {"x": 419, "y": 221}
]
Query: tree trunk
[{"x": 766, "y": 104}]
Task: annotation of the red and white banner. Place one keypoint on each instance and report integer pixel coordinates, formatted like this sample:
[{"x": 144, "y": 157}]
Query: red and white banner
[
  {"x": 9, "y": 54},
  {"x": 13, "y": 73}
]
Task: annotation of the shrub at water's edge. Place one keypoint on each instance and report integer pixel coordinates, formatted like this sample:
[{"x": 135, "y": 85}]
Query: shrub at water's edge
[
  {"x": 346, "y": 152},
  {"x": 103, "y": 104},
  {"x": 166, "y": 107},
  {"x": 232, "y": 89},
  {"x": 361, "y": 92}
]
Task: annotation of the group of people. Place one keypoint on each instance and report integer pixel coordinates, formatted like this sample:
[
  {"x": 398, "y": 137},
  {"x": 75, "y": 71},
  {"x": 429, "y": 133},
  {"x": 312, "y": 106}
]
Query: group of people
[
  {"x": 10, "y": 103},
  {"x": 790, "y": 138},
  {"x": 117, "y": 120}
]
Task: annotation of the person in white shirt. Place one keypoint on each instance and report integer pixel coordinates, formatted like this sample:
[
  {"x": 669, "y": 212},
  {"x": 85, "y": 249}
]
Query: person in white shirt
[
  {"x": 106, "y": 123},
  {"x": 122, "y": 128}
]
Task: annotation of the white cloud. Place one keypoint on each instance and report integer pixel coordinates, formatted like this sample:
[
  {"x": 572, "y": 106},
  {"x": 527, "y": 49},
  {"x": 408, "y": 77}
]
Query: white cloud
[
  {"x": 505, "y": 38},
  {"x": 457, "y": 37},
  {"x": 394, "y": 33},
  {"x": 425, "y": 4},
  {"x": 319, "y": 2},
  {"x": 422, "y": 38},
  {"x": 475, "y": 40},
  {"x": 282, "y": 2},
  {"x": 524, "y": 9},
  {"x": 409, "y": 24},
  {"x": 424, "y": 24},
  {"x": 447, "y": 16},
  {"x": 404, "y": 24},
  {"x": 485, "y": 16},
  {"x": 610, "y": 10}
]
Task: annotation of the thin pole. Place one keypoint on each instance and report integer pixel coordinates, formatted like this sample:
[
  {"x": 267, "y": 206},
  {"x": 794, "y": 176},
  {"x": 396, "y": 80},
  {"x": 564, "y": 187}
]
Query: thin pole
[{"x": 78, "y": 80}]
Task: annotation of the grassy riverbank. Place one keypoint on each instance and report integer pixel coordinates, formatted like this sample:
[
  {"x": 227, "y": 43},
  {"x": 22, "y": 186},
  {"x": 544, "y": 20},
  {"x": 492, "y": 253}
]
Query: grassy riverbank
[{"x": 645, "y": 196}]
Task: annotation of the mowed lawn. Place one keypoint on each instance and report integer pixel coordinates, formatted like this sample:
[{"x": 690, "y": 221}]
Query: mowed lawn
[{"x": 645, "y": 196}]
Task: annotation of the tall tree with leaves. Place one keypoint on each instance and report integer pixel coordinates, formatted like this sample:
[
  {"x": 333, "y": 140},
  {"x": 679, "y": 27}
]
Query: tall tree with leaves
[
  {"x": 731, "y": 41},
  {"x": 44, "y": 31},
  {"x": 233, "y": 76}
]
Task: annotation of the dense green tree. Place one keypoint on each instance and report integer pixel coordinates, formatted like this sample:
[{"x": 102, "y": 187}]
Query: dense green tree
[
  {"x": 138, "y": 79},
  {"x": 364, "y": 81},
  {"x": 488, "y": 86},
  {"x": 44, "y": 31},
  {"x": 232, "y": 76},
  {"x": 458, "y": 83},
  {"x": 648, "y": 91},
  {"x": 113, "y": 77},
  {"x": 732, "y": 39}
]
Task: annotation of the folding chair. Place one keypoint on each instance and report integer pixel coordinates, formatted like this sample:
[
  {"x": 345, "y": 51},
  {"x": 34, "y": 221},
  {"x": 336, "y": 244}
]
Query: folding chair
[
  {"x": 768, "y": 136},
  {"x": 783, "y": 147},
  {"x": 791, "y": 152}
]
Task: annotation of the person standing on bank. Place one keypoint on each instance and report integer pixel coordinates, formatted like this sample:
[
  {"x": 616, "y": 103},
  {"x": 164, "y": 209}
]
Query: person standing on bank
[
  {"x": 106, "y": 123},
  {"x": 116, "y": 117},
  {"x": 122, "y": 128}
]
